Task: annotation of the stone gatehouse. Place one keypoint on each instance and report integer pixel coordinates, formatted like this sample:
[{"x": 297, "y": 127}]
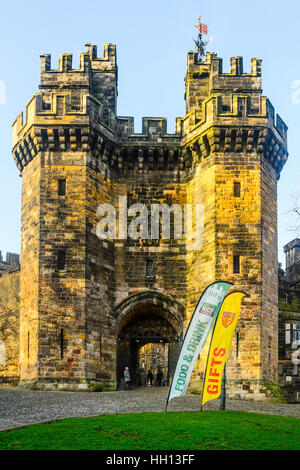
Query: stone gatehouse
[{"x": 88, "y": 304}]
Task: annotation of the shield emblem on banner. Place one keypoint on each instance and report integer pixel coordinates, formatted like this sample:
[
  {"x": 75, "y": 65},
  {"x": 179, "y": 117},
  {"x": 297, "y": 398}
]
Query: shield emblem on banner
[{"x": 227, "y": 318}]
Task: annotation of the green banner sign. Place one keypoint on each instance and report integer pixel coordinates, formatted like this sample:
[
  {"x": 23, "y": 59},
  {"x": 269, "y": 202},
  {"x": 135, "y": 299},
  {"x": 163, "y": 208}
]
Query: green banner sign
[{"x": 198, "y": 330}]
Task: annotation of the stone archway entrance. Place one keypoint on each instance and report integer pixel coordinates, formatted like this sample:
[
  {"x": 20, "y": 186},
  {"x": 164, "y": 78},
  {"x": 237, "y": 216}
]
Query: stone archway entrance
[{"x": 148, "y": 318}]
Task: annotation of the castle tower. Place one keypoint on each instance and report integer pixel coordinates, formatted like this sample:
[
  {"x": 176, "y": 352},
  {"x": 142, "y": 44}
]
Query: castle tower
[
  {"x": 87, "y": 304},
  {"x": 63, "y": 182},
  {"x": 238, "y": 152}
]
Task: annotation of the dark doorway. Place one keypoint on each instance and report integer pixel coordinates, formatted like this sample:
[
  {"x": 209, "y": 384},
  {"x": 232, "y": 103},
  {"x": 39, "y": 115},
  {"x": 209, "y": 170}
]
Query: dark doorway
[{"x": 148, "y": 331}]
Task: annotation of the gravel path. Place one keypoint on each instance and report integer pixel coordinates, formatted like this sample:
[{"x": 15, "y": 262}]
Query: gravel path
[{"x": 22, "y": 407}]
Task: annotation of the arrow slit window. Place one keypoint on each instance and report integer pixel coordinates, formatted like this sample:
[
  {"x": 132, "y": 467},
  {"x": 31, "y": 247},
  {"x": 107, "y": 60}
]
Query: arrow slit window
[
  {"x": 236, "y": 264},
  {"x": 237, "y": 189}
]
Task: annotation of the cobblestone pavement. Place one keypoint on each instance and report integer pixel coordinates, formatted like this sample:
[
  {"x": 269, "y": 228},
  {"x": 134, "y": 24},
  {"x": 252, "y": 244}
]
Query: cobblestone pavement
[{"x": 22, "y": 407}]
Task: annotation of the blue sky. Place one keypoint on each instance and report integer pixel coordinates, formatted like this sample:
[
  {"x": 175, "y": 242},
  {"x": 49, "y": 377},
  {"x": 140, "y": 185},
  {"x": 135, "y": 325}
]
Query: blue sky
[{"x": 152, "y": 40}]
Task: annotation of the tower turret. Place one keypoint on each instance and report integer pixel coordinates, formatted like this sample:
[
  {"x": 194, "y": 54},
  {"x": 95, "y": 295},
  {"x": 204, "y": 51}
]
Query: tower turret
[{"x": 238, "y": 150}]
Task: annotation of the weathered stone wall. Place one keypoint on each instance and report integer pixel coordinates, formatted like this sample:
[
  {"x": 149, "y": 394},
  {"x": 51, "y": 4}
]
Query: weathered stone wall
[
  {"x": 29, "y": 274},
  {"x": 269, "y": 315},
  {"x": 9, "y": 328},
  {"x": 201, "y": 263},
  {"x": 167, "y": 257},
  {"x": 100, "y": 323},
  {"x": 76, "y": 336},
  {"x": 229, "y": 136},
  {"x": 61, "y": 288},
  {"x": 239, "y": 234}
]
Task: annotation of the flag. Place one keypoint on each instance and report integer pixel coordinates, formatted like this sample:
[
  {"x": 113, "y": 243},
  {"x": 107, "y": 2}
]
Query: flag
[
  {"x": 220, "y": 345},
  {"x": 203, "y": 28},
  {"x": 199, "y": 327}
]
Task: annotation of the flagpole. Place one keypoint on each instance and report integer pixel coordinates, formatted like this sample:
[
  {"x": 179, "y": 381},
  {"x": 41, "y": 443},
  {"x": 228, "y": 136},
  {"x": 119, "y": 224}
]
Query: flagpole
[{"x": 200, "y": 44}]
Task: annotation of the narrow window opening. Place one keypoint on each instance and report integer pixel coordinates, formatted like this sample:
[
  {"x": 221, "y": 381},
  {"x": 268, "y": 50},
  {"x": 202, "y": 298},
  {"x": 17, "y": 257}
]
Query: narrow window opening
[
  {"x": 169, "y": 199},
  {"x": 28, "y": 345},
  {"x": 149, "y": 278},
  {"x": 149, "y": 267},
  {"x": 61, "y": 344},
  {"x": 129, "y": 199},
  {"x": 236, "y": 264},
  {"x": 61, "y": 260},
  {"x": 237, "y": 189},
  {"x": 61, "y": 187},
  {"x": 237, "y": 343}
]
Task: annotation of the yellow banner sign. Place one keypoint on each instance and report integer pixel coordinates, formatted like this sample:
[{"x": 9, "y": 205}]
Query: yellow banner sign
[{"x": 220, "y": 345}]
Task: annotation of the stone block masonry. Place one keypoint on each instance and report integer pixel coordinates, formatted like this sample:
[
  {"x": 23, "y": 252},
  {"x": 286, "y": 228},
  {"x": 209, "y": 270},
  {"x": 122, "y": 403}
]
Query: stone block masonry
[
  {"x": 87, "y": 305},
  {"x": 9, "y": 329}
]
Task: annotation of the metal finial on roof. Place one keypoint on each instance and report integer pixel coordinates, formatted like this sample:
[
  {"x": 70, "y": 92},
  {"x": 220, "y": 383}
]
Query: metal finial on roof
[{"x": 199, "y": 42}]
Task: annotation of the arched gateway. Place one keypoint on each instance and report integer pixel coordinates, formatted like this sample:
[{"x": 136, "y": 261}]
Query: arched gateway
[{"x": 147, "y": 317}]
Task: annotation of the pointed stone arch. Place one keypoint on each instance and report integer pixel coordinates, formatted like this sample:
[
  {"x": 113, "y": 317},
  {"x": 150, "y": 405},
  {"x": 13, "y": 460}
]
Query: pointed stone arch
[
  {"x": 173, "y": 309},
  {"x": 147, "y": 317}
]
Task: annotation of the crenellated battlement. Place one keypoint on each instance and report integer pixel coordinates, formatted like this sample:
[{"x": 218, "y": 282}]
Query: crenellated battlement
[
  {"x": 235, "y": 109},
  {"x": 225, "y": 112},
  {"x": 206, "y": 79},
  {"x": 214, "y": 64},
  {"x": 88, "y": 61},
  {"x": 96, "y": 76},
  {"x": 154, "y": 130},
  {"x": 62, "y": 112},
  {"x": 233, "y": 106}
]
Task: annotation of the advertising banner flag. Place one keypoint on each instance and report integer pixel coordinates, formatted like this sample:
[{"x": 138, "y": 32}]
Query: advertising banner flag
[
  {"x": 199, "y": 327},
  {"x": 220, "y": 345}
]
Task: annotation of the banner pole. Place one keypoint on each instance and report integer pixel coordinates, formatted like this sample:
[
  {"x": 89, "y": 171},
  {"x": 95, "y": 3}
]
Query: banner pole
[
  {"x": 227, "y": 285},
  {"x": 212, "y": 335},
  {"x": 166, "y": 407},
  {"x": 182, "y": 342},
  {"x": 220, "y": 389},
  {"x": 223, "y": 391}
]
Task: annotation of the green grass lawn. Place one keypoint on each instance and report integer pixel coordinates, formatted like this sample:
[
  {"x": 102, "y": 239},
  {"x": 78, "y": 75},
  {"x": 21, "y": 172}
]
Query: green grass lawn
[{"x": 180, "y": 431}]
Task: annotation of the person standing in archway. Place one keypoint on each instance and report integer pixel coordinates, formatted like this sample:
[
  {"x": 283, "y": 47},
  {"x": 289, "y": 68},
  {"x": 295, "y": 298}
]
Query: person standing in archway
[
  {"x": 127, "y": 379},
  {"x": 159, "y": 377},
  {"x": 149, "y": 378}
]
